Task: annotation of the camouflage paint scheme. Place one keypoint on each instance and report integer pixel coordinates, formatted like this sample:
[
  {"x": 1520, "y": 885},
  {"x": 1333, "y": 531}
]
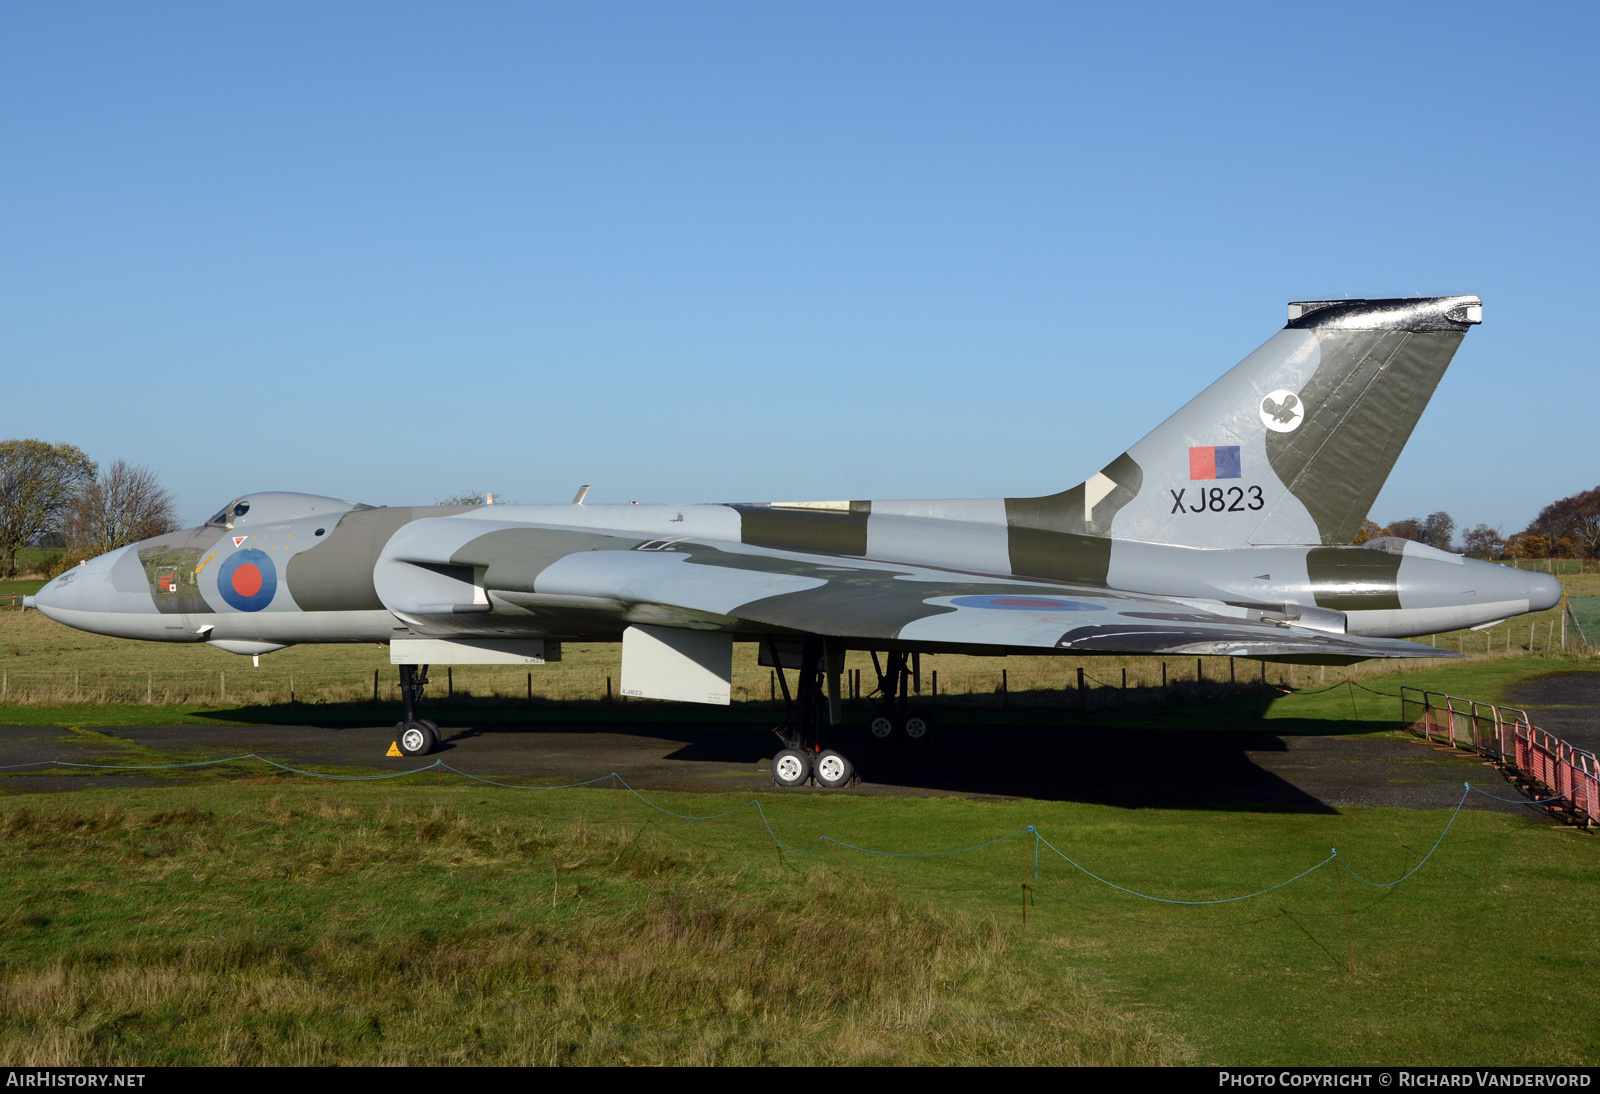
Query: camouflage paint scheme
[{"x": 1225, "y": 531}]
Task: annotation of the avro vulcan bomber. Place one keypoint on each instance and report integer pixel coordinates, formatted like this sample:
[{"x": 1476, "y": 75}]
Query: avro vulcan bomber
[{"x": 1226, "y": 531}]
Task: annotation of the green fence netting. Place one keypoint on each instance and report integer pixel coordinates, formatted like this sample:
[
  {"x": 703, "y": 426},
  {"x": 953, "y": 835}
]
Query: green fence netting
[{"x": 1585, "y": 611}]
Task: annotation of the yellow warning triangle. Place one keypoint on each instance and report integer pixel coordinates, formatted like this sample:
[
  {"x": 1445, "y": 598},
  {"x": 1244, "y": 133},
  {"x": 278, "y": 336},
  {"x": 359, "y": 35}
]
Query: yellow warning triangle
[{"x": 394, "y": 749}]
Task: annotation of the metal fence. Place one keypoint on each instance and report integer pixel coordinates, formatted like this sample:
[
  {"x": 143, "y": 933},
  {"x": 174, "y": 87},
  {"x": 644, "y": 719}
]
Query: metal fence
[
  {"x": 1553, "y": 565},
  {"x": 263, "y": 687},
  {"x": 1507, "y": 736}
]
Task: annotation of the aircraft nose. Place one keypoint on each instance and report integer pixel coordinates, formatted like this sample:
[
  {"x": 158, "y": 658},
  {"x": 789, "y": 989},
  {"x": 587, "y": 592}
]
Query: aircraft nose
[{"x": 92, "y": 589}]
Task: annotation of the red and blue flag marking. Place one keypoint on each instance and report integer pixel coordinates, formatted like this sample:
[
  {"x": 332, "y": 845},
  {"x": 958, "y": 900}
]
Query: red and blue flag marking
[{"x": 1219, "y": 461}]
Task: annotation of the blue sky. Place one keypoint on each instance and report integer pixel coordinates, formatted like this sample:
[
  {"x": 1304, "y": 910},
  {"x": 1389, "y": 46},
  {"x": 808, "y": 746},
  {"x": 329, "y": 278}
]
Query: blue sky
[{"x": 715, "y": 252}]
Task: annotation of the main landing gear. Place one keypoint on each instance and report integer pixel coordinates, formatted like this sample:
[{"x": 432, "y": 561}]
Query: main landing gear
[
  {"x": 415, "y": 736},
  {"x": 892, "y": 715},
  {"x": 802, "y": 757}
]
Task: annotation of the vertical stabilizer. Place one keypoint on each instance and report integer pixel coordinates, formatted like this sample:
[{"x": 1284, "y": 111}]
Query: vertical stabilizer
[{"x": 1292, "y": 445}]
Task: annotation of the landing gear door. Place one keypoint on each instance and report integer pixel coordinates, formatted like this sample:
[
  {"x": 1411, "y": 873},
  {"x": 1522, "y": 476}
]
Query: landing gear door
[{"x": 681, "y": 665}]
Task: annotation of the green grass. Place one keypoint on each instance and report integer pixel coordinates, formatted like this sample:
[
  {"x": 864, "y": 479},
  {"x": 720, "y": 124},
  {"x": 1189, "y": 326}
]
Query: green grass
[
  {"x": 235, "y": 921},
  {"x": 288, "y": 925}
]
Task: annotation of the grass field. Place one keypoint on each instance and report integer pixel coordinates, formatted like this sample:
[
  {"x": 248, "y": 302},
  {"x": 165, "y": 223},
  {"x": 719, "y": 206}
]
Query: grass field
[
  {"x": 228, "y": 918},
  {"x": 290, "y": 921}
]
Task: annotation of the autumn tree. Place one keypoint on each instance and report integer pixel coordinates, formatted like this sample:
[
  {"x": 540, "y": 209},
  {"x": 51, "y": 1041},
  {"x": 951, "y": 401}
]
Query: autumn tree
[
  {"x": 39, "y": 483},
  {"x": 122, "y": 505},
  {"x": 1527, "y": 545},
  {"x": 1370, "y": 530},
  {"x": 1576, "y": 518},
  {"x": 1409, "y": 528}
]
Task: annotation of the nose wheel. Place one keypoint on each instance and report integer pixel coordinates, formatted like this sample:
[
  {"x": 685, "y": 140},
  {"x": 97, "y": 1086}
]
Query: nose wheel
[{"x": 414, "y": 736}]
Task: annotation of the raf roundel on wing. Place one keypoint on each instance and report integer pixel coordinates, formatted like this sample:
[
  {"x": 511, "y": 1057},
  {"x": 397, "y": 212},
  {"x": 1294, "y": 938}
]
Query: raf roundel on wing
[{"x": 248, "y": 580}]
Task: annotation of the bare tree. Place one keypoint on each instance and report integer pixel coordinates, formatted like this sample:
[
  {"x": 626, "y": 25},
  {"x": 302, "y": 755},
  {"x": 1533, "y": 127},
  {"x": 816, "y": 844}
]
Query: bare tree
[
  {"x": 39, "y": 482},
  {"x": 123, "y": 505},
  {"x": 1482, "y": 541},
  {"x": 1439, "y": 530}
]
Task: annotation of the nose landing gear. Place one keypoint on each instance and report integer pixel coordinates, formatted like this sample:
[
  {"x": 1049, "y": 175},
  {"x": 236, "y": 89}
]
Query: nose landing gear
[{"x": 415, "y": 736}]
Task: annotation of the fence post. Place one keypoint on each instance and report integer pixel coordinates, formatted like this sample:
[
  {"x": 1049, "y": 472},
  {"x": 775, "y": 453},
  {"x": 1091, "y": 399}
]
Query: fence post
[
  {"x": 1083, "y": 696},
  {"x": 1005, "y": 689},
  {"x": 936, "y": 683}
]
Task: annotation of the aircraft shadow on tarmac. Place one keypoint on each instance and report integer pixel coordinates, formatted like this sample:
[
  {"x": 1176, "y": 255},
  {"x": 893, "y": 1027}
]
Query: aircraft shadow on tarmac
[{"x": 1208, "y": 767}]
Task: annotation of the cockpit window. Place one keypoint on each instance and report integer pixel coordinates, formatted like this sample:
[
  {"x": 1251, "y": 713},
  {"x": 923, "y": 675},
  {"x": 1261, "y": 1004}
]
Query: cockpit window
[{"x": 227, "y": 514}]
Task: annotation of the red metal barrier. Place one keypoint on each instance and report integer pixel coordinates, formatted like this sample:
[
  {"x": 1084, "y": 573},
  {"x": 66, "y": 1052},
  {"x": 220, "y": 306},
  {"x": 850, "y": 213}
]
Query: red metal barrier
[{"x": 1508, "y": 736}]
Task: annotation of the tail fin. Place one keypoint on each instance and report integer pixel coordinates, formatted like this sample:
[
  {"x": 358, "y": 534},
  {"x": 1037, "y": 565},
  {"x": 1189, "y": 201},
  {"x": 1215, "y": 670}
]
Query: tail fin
[{"x": 1291, "y": 446}]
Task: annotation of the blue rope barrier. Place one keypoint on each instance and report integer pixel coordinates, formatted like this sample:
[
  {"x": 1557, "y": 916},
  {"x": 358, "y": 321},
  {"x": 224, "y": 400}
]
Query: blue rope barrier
[
  {"x": 1166, "y": 900},
  {"x": 134, "y": 767},
  {"x": 1467, "y": 789}
]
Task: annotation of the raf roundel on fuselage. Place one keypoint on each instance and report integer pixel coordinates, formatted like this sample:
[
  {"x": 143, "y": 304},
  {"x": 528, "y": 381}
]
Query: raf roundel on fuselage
[{"x": 248, "y": 580}]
